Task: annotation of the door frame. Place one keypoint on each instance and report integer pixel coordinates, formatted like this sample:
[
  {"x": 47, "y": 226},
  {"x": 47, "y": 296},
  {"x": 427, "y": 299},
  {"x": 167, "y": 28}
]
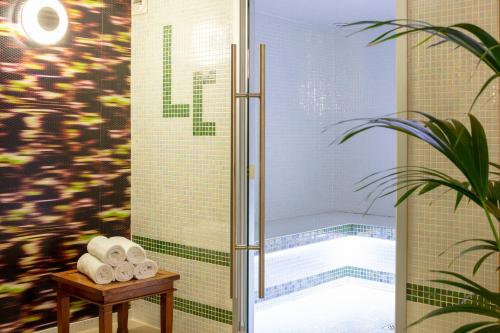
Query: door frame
[
  {"x": 240, "y": 307},
  {"x": 241, "y": 39},
  {"x": 401, "y": 160}
]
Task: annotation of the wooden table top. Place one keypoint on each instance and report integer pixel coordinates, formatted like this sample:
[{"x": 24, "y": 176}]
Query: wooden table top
[
  {"x": 78, "y": 284},
  {"x": 77, "y": 279}
]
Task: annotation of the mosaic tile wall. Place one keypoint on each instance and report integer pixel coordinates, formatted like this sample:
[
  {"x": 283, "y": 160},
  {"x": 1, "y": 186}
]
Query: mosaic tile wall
[
  {"x": 180, "y": 155},
  {"x": 443, "y": 81},
  {"x": 64, "y": 153},
  {"x": 317, "y": 77}
]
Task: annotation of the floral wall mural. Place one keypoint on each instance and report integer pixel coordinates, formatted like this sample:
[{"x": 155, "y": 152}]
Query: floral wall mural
[{"x": 64, "y": 152}]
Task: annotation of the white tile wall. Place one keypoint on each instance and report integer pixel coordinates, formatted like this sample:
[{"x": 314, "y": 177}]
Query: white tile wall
[
  {"x": 180, "y": 182},
  {"x": 316, "y": 77}
]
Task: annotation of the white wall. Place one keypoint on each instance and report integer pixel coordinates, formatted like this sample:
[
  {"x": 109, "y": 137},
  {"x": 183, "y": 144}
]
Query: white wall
[{"x": 315, "y": 77}]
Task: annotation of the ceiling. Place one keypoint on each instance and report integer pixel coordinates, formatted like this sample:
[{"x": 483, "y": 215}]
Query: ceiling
[{"x": 328, "y": 12}]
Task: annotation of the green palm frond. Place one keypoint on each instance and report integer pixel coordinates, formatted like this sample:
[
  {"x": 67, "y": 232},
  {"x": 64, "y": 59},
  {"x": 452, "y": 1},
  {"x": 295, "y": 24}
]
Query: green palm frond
[
  {"x": 497, "y": 167},
  {"x": 474, "y": 39},
  {"x": 482, "y": 245},
  {"x": 466, "y": 149}
]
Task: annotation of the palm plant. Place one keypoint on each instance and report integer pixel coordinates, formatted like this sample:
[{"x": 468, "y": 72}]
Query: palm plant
[{"x": 466, "y": 149}]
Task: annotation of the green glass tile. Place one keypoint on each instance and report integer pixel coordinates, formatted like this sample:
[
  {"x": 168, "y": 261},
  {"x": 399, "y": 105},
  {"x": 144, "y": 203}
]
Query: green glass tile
[
  {"x": 201, "y": 128},
  {"x": 439, "y": 297},
  {"x": 198, "y": 309},
  {"x": 170, "y": 110},
  {"x": 184, "y": 251}
]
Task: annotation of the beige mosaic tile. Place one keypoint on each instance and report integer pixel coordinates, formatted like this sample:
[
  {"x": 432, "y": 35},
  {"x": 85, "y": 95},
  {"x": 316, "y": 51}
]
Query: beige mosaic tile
[
  {"x": 180, "y": 154},
  {"x": 443, "y": 81}
]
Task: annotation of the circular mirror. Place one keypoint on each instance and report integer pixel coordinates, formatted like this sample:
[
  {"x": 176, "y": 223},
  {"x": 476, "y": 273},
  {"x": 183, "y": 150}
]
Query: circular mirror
[{"x": 44, "y": 21}]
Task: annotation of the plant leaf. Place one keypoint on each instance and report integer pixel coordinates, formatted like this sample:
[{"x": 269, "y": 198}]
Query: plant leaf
[
  {"x": 428, "y": 187},
  {"x": 472, "y": 326},
  {"x": 472, "y": 38},
  {"x": 406, "y": 195},
  {"x": 481, "y": 261}
]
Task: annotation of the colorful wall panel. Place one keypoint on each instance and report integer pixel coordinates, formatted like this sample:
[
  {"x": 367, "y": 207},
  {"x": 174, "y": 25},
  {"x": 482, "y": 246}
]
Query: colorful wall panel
[{"x": 64, "y": 152}]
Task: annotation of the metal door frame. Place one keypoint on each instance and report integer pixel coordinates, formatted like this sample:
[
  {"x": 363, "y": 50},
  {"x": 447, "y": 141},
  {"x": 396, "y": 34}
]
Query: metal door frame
[{"x": 240, "y": 299}]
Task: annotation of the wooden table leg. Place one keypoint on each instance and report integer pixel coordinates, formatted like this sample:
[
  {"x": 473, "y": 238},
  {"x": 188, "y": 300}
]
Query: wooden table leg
[
  {"x": 105, "y": 319},
  {"x": 167, "y": 311},
  {"x": 62, "y": 312},
  {"x": 123, "y": 317}
]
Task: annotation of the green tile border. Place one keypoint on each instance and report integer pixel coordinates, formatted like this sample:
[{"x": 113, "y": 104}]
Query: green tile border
[
  {"x": 439, "y": 297},
  {"x": 184, "y": 251},
  {"x": 198, "y": 309}
]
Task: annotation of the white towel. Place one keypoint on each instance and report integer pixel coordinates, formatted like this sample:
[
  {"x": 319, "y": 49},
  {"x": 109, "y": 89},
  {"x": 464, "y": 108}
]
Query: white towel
[
  {"x": 106, "y": 251},
  {"x": 95, "y": 269},
  {"x": 135, "y": 253},
  {"x": 124, "y": 272},
  {"x": 145, "y": 270}
]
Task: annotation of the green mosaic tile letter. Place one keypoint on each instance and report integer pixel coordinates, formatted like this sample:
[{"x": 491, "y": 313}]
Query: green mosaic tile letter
[
  {"x": 170, "y": 110},
  {"x": 201, "y": 128}
]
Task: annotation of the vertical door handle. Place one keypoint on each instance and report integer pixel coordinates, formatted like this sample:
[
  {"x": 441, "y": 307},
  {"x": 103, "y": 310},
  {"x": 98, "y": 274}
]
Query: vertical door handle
[
  {"x": 233, "y": 208},
  {"x": 261, "y": 95},
  {"x": 262, "y": 172}
]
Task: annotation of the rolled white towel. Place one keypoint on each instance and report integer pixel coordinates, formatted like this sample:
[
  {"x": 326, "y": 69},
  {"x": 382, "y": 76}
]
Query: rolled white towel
[
  {"x": 124, "y": 272},
  {"x": 95, "y": 269},
  {"x": 106, "y": 251},
  {"x": 145, "y": 270},
  {"x": 135, "y": 253}
]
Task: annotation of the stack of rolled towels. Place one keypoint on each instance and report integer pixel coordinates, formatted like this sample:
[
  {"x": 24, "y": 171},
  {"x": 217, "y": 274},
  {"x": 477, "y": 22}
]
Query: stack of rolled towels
[{"x": 115, "y": 259}]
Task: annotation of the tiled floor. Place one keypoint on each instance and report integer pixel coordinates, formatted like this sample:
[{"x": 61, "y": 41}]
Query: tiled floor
[
  {"x": 344, "y": 306},
  {"x": 134, "y": 327}
]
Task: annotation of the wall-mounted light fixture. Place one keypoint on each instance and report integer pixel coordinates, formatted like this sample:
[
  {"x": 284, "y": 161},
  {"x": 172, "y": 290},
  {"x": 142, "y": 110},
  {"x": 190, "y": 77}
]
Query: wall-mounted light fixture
[{"x": 44, "y": 21}]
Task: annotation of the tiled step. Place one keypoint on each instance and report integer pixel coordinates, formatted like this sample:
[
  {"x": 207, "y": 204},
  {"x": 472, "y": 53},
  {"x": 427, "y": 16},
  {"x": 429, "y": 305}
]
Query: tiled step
[
  {"x": 332, "y": 232},
  {"x": 325, "y": 277},
  {"x": 306, "y": 266}
]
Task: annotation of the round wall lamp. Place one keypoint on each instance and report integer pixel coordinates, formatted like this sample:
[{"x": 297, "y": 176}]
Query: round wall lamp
[{"x": 44, "y": 21}]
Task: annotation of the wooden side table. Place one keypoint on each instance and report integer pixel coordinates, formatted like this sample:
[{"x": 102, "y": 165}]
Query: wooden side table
[{"x": 119, "y": 294}]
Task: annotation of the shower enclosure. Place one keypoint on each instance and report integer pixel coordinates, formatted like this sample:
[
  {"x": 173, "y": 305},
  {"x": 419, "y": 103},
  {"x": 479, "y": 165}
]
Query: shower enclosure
[
  {"x": 309, "y": 253},
  {"x": 236, "y": 183}
]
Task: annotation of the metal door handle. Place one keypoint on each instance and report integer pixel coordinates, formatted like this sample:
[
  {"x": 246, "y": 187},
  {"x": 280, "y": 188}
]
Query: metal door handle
[{"x": 261, "y": 95}]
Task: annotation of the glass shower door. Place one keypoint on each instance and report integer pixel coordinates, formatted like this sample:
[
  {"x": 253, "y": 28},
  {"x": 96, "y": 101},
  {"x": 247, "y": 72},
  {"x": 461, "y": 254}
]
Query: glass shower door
[{"x": 309, "y": 240}]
